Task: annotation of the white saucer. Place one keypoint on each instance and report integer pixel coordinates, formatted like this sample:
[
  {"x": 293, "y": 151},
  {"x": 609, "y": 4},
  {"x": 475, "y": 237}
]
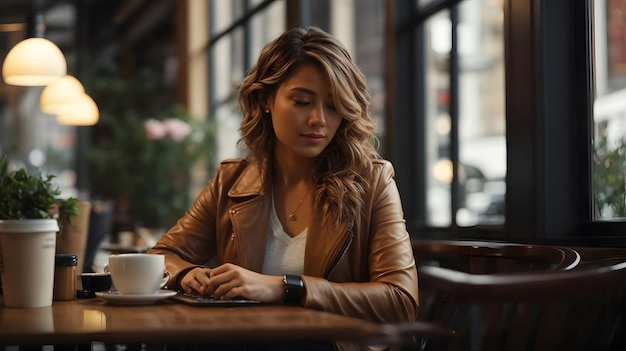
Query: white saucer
[{"x": 135, "y": 299}]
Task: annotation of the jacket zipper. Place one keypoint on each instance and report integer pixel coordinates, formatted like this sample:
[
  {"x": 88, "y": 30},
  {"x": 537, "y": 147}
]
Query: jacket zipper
[{"x": 344, "y": 248}]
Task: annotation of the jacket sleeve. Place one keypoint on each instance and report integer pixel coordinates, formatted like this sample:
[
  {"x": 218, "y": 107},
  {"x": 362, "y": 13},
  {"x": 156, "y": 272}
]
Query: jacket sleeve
[
  {"x": 390, "y": 292},
  {"x": 191, "y": 241}
]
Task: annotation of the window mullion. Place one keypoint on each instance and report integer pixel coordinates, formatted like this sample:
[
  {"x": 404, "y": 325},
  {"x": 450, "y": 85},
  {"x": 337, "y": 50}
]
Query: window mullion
[{"x": 454, "y": 115}]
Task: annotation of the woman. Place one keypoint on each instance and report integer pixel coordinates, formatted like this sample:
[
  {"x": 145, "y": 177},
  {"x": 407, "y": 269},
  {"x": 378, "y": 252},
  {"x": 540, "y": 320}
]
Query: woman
[{"x": 312, "y": 215}]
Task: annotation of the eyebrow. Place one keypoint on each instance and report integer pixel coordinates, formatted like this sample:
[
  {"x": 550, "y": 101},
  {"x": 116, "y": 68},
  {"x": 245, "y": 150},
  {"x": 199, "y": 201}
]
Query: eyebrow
[
  {"x": 307, "y": 91},
  {"x": 303, "y": 90}
]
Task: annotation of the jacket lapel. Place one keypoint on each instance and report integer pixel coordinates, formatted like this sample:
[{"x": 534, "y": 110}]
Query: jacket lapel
[
  {"x": 250, "y": 217},
  {"x": 324, "y": 246}
]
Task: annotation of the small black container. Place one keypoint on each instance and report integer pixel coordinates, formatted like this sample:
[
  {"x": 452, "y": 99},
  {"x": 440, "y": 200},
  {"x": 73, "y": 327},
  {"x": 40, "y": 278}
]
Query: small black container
[{"x": 93, "y": 282}]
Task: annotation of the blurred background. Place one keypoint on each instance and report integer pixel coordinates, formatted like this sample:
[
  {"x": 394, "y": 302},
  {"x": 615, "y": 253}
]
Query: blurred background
[{"x": 503, "y": 121}]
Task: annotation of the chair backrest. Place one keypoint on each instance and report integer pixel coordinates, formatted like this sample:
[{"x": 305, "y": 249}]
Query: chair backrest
[
  {"x": 434, "y": 329},
  {"x": 557, "y": 307},
  {"x": 493, "y": 257}
]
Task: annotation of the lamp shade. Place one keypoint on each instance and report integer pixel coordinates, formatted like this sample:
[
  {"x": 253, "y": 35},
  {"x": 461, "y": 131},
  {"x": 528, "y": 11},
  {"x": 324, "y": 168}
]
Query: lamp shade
[
  {"x": 81, "y": 113},
  {"x": 34, "y": 62},
  {"x": 60, "y": 93}
]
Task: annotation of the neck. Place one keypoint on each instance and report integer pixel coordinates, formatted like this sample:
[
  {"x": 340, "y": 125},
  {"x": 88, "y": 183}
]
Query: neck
[{"x": 291, "y": 174}]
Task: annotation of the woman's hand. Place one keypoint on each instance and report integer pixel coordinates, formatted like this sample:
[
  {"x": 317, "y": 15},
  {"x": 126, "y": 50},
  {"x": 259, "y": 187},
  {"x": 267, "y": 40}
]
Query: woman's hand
[
  {"x": 195, "y": 281},
  {"x": 229, "y": 281}
]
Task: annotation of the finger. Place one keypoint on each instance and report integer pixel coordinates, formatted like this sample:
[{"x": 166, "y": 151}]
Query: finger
[
  {"x": 223, "y": 268},
  {"x": 226, "y": 290},
  {"x": 218, "y": 279},
  {"x": 191, "y": 285},
  {"x": 196, "y": 280},
  {"x": 220, "y": 284},
  {"x": 236, "y": 292}
]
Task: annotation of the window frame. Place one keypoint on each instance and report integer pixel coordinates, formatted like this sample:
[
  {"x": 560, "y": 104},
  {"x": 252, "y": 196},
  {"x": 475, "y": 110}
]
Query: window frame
[{"x": 549, "y": 124}]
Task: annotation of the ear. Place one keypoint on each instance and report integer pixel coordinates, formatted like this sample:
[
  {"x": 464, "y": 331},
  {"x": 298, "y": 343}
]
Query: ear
[{"x": 269, "y": 102}]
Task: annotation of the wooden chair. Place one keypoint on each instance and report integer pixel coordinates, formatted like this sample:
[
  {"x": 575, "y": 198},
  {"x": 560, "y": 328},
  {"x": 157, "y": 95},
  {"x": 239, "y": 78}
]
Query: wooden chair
[
  {"x": 500, "y": 296},
  {"x": 470, "y": 256},
  {"x": 493, "y": 257},
  {"x": 433, "y": 330}
]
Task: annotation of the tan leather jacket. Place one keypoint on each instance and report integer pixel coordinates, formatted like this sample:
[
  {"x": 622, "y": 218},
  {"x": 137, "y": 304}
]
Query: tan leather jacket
[{"x": 363, "y": 269}]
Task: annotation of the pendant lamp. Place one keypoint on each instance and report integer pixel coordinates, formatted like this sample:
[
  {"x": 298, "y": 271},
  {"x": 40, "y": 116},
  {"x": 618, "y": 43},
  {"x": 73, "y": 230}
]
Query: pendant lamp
[
  {"x": 35, "y": 61},
  {"x": 82, "y": 113},
  {"x": 61, "y": 93}
]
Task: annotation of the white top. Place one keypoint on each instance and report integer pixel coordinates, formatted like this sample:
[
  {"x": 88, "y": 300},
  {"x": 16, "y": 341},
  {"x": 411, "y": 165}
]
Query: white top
[{"x": 283, "y": 254}]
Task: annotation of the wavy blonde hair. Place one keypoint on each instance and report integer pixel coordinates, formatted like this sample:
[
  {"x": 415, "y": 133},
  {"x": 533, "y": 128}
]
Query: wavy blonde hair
[{"x": 342, "y": 169}]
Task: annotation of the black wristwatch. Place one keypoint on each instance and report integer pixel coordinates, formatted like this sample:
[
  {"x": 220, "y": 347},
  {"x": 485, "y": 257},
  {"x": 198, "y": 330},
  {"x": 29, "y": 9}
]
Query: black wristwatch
[{"x": 294, "y": 288}]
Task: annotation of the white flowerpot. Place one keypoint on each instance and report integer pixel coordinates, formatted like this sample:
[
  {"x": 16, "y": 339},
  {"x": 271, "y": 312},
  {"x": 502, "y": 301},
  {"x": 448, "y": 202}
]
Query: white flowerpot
[{"x": 27, "y": 250}]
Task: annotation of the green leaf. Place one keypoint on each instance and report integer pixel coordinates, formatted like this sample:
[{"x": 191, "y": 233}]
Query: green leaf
[{"x": 31, "y": 195}]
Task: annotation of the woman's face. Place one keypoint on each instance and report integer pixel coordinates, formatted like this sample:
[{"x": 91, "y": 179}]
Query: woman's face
[{"x": 303, "y": 114}]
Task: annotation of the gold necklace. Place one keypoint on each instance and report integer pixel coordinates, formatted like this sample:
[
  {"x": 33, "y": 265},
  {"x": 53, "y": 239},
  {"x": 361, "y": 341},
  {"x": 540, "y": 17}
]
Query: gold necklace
[{"x": 292, "y": 215}]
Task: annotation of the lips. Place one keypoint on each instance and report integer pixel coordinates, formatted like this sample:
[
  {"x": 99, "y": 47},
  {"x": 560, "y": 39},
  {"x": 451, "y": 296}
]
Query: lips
[
  {"x": 314, "y": 135},
  {"x": 314, "y": 138}
]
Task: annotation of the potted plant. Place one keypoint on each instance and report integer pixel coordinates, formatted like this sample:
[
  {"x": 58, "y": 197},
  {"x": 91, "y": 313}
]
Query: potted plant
[{"x": 30, "y": 215}]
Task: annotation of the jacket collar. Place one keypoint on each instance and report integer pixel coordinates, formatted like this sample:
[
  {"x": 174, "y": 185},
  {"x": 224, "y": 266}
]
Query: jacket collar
[{"x": 249, "y": 182}]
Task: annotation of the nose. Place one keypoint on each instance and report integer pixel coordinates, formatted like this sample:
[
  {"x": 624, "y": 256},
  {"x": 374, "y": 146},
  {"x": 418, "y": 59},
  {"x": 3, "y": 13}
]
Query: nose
[{"x": 316, "y": 117}]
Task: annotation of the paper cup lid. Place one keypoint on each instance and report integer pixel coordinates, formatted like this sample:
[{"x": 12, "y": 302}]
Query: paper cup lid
[{"x": 28, "y": 225}]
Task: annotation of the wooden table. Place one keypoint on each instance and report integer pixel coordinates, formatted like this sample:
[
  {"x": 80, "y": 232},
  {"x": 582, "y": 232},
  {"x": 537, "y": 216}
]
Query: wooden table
[{"x": 96, "y": 320}]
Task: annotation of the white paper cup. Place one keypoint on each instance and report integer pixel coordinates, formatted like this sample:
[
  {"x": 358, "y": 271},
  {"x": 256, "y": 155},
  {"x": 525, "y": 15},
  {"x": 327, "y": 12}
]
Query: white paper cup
[
  {"x": 137, "y": 273},
  {"x": 27, "y": 249}
]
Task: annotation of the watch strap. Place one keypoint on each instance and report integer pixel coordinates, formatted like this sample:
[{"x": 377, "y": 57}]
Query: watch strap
[{"x": 294, "y": 287}]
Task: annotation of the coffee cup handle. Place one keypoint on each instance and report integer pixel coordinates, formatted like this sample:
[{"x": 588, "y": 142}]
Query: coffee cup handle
[
  {"x": 106, "y": 269},
  {"x": 166, "y": 278}
]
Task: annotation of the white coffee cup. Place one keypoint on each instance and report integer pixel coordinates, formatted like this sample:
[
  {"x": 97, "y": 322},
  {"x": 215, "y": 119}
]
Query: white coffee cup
[{"x": 137, "y": 273}]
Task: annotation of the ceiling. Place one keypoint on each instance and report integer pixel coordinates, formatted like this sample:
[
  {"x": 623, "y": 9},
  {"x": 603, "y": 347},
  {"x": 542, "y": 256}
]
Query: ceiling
[
  {"x": 86, "y": 27},
  {"x": 59, "y": 18}
]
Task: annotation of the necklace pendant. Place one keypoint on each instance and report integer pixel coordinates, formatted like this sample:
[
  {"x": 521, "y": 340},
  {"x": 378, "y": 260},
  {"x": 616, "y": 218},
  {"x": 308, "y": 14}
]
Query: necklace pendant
[{"x": 292, "y": 217}]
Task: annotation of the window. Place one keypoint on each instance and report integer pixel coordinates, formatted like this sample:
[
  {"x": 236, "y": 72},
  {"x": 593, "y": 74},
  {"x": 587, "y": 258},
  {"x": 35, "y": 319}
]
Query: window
[
  {"x": 545, "y": 64},
  {"x": 232, "y": 49},
  {"x": 609, "y": 161},
  {"x": 458, "y": 112},
  {"x": 464, "y": 111}
]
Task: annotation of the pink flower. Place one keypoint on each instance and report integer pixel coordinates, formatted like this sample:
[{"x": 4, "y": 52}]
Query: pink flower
[
  {"x": 154, "y": 129},
  {"x": 177, "y": 129}
]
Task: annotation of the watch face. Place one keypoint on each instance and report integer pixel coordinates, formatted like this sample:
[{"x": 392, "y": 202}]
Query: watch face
[
  {"x": 293, "y": 281},
  {"x": 293, "y": 289}
]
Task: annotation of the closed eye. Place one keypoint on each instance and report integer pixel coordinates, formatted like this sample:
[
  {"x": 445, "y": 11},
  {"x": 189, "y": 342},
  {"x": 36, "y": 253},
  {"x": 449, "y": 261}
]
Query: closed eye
[{"x": 300, "y": 103}]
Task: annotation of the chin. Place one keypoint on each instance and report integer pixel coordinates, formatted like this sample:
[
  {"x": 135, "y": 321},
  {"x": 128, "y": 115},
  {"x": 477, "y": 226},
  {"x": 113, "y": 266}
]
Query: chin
[{"x": 311, "y": 154}]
